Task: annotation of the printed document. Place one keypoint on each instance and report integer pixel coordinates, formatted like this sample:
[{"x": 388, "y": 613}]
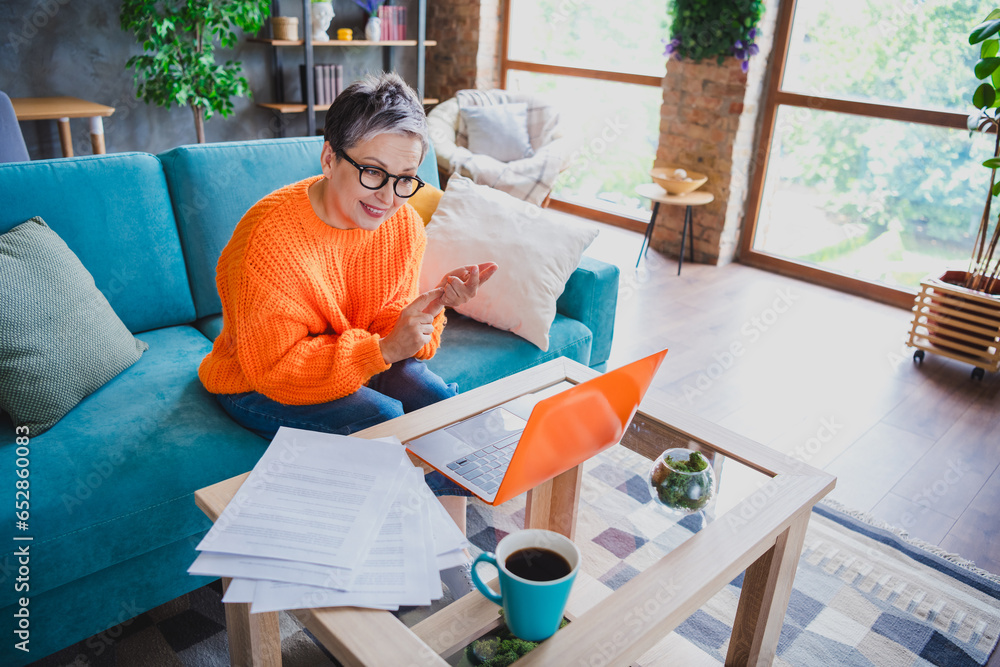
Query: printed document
[{"x": 312, "y": 497}]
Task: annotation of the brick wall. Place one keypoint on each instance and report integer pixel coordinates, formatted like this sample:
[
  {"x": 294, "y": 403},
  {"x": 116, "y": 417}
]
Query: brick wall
[
  {"x": 709, "y": 123},
  {"x": 488, "y": 57},
  {"x": 709, "y": 120},
  {"x": 468, "y": 50}
]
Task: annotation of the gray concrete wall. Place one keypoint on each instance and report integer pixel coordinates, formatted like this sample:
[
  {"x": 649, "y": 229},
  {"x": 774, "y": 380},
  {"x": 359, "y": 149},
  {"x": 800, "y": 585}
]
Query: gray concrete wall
[{"x": 77, "y": 48}]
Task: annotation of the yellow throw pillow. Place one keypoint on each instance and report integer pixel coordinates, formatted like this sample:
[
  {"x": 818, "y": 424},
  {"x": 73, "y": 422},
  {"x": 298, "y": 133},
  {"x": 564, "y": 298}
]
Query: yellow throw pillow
[{"x": 426, "y": 201}]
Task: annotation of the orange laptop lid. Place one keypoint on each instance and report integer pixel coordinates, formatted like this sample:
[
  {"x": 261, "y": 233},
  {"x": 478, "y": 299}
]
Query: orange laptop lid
[{"x": 567, "y": 429}]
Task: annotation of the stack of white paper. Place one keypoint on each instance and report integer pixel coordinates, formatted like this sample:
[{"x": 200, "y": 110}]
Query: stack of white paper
[{"x": 327, "y": 520}]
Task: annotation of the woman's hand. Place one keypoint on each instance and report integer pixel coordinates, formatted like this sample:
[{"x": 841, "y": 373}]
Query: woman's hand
[
  {"x": 461, "y": 284},
  {"x": 413, "y": 328}
]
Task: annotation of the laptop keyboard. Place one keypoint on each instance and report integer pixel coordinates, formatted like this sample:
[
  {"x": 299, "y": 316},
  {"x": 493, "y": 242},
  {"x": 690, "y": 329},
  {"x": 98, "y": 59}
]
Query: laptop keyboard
[{"x": 486, "y": 467}]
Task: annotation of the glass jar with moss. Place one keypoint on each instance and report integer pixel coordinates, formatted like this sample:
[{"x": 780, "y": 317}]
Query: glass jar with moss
[{"x": 682, "y": 480}]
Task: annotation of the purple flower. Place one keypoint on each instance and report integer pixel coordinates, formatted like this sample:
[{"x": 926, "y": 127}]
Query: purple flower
[
  {"x": 672, "y": 47},
  {"x": 754, "y": 49},
  {"x": 745, "y": 66},
  {"x": 369, "y": 6},
  {"x": 738, "y": 45},
  {"x": 752, "y": 33}
]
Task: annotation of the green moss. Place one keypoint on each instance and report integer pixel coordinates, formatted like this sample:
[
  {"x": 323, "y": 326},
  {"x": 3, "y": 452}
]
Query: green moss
[
  {"x": 502, "y": 650},
  {"x": 695, "y": 463},
  {"x": 679, "y": 485}
]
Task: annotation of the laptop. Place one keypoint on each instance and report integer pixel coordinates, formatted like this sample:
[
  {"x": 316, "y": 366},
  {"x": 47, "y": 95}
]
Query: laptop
[{"x": 507, "y": 450}]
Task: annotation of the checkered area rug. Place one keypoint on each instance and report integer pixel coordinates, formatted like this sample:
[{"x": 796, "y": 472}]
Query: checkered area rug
[
  {"x": 863, "y": 595},
  {"x": 186, "y": 632}
]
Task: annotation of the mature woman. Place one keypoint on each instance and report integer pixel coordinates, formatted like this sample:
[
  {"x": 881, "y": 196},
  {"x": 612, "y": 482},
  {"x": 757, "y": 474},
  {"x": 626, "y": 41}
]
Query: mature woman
[{"x": 323, "y": 328}]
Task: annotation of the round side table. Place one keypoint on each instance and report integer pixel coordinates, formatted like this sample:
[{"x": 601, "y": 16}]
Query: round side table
[{"x": 658, "y": 196}]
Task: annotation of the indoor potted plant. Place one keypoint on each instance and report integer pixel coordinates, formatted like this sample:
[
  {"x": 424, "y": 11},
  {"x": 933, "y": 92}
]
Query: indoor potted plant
[
  {"x": 958, "y": 314},
  {"x": 682, "y": 480},
  {"x": 178, "y": 64},
  {"x": 373, "y": 28},
  {"x": 707, "y": 28}
]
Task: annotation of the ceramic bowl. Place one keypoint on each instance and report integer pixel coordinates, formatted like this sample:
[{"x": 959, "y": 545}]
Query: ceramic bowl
[{"x": 678, "y": 180}]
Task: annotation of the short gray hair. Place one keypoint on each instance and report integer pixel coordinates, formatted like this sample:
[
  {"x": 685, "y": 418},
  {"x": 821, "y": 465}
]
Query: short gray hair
[{"x": 379, "y": 103}]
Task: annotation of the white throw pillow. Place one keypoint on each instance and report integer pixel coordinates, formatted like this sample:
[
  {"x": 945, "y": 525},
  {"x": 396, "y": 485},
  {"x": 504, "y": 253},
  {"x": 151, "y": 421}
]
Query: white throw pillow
[
  {"x": 536, "y": 253},
  {"x": 500, "y": 131}
]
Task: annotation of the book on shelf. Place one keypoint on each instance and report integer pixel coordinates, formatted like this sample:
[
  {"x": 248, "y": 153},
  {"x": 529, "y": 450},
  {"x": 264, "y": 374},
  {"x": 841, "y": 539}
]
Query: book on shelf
[
  {"x": 393, "y": 23},
  {"x": 328, "y": 82}
]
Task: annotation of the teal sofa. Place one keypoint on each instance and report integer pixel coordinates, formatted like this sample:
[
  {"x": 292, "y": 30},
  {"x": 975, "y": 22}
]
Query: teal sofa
[{"x": 113, "y": 519}]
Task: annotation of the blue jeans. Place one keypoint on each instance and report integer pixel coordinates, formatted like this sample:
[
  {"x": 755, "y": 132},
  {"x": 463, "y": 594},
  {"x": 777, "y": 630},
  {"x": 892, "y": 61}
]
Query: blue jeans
[{"x": 408, "y": 385}]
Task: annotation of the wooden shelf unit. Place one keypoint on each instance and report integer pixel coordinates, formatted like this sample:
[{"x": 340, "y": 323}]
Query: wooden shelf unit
[
  {"x": 341, "y": 42},
  {"x": 307, "y": 45}
]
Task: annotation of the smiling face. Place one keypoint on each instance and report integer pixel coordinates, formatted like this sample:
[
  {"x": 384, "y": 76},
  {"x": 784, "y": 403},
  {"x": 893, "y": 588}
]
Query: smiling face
[{"x": 341, "y": 201}]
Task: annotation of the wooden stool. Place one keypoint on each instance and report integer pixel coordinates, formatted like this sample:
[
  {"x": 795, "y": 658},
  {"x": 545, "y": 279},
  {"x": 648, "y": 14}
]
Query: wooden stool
[{"x": 658, "y": 196}]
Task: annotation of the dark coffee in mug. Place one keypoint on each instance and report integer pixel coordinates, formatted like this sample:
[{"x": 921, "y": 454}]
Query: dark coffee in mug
[{"x": 535, "y": 564}]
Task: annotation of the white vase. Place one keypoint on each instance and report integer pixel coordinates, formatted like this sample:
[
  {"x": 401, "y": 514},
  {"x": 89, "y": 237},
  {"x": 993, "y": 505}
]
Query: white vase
[
  {"x": 321, "y": 14},
  {"x": 373, "y": 29}
]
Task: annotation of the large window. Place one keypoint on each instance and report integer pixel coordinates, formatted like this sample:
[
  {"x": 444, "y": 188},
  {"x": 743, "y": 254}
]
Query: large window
[
  {"x": 604, "y": 68},
  {"x": 870, "y": 175}
]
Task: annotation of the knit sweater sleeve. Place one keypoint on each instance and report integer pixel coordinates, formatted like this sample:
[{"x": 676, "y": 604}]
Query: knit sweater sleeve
[
  {"x": 407, "y": 290},
  {"x": 283, "y": 360}
]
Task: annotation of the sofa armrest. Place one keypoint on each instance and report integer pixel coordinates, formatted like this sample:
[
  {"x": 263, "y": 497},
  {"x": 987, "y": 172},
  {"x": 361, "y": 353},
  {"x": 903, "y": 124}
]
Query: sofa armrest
[{"x": 591, "y": 296}]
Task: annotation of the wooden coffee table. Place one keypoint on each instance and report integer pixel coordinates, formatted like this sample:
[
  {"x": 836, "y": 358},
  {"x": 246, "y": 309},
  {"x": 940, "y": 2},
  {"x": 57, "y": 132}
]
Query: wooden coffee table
[{"x": 762, "y": 535}]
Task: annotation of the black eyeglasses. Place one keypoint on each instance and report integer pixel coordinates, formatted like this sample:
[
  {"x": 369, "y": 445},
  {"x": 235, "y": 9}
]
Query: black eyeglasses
[{"x": 375, "y": 178}]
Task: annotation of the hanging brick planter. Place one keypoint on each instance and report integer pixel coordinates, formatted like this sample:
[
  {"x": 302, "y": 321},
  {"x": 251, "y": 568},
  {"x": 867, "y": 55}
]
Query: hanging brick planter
[{"x": 709, "y": 123}]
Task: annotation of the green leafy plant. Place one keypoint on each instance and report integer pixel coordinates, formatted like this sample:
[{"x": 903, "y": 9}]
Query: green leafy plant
[
  {"x": 715, "y": 28},
  {"x": 682, "y": 482},
  {"x": 178, "y": 64},
  {"x": 983, "y": 270}
]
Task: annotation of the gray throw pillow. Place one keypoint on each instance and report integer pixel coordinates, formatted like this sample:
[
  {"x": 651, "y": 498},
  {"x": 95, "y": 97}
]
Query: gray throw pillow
[
  {"x": 500, "y": 131},
  {"x": 60, "y": 340}
]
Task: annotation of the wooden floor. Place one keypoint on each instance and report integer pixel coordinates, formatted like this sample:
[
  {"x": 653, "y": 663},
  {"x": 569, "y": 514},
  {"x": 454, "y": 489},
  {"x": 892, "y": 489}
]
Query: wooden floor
[{"x": 826, "y": 377}]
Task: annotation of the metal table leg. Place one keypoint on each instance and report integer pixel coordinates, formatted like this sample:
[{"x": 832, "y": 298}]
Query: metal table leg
[
  {"x": 684, "y": 233},
  {"x": 649, "y": 234}
]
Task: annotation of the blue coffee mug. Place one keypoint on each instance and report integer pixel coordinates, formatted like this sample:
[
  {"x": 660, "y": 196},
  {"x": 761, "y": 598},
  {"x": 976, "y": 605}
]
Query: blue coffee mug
[{"x": 533, "y": 609}]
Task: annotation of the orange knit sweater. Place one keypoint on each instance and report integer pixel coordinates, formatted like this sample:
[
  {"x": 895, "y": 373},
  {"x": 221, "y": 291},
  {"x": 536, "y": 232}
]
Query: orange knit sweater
[{"x": 304, "y": 304}]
